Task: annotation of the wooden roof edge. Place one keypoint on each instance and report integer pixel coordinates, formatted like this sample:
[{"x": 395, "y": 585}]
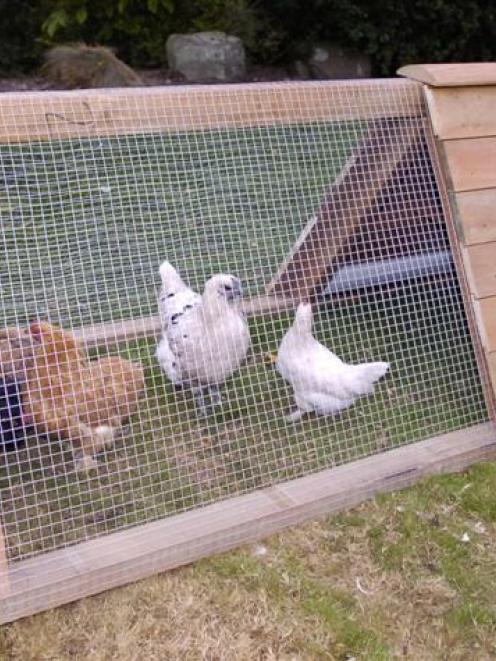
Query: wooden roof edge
[{"x": 451, "y": 75}]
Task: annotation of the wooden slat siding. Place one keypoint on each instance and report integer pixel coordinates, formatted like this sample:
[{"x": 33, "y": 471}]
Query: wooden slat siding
[
  {"x": 450, "y": 119},
  {"x": 457, "y": 248},
  {"x": 480, "y": 265},
  {"x": 461, "y": 101},
  {"x": 452, "y": 75},
  {"x": 26, "y": 116},
  {"x": 475, "y": 213},
  {"x": 471, "y": 163},
  {"x": 331, "y": 230},
  {"x": 62, "y": 576}
]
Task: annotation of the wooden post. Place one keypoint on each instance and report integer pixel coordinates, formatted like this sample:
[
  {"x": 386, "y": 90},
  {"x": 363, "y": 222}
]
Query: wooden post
[
  {"x": 461, "y": 100},
  {"x": 4, "y": 567}
]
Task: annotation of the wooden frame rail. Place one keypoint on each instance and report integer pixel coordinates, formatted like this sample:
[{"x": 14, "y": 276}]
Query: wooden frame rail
[{"x": 29, "y": 116}]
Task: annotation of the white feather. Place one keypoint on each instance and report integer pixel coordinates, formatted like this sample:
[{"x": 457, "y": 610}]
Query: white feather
[
  {"x": 321, "y": 381},
  {"x": 204, "y": 338}
]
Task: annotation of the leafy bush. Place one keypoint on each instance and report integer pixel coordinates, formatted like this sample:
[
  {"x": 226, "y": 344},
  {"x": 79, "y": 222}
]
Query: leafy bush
[
  {"x": 19, "y": 29},
  {"x": 392, "y": 32},
  {"x": 137, "y": 29}
]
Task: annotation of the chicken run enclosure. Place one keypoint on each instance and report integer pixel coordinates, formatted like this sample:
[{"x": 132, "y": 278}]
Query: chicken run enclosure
[{"x": 372, "y": 200}]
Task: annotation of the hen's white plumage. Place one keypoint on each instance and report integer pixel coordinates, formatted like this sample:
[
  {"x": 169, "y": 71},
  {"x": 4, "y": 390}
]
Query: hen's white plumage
[
  {"x": 204, "y": 338},
  {"x": 321, "y": 381}
]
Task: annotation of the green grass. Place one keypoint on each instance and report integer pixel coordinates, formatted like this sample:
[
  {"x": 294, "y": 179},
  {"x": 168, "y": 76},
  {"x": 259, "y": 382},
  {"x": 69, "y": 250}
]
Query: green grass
[{"x": 92, "y": 219}]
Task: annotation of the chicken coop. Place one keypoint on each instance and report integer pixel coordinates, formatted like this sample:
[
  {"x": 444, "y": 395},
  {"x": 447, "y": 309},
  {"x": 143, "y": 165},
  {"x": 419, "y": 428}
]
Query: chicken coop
[{"x": 373, "y": 200}]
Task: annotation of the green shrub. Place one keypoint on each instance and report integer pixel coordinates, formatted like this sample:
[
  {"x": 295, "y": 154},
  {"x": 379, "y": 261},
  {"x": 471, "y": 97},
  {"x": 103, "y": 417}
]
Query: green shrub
[
  {"x": 136, "y": 29},
  {"x": 391, "y": 32}
]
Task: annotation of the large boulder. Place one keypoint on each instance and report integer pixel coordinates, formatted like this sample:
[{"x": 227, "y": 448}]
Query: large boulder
[
  {"x": 87, "y": 66},
  {"x": 329, "y": 61},
  {"x": 206, "y": 57}
]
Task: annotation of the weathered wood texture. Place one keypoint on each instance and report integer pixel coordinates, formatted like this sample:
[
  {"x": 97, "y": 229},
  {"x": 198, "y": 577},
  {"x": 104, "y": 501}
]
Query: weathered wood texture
[
  {"x": 471, "y": 163},
  {"x": 450, "y": 119},
  {"x": 86, "y": 113},
  {"x": 62, "y": 576},
  {"x": 4, "y": 570},
  {"x": 452, "y": 75},
  {"x": 475, "y": 215},
  {"x": 352, "y": 200},
  {"x": 461, "y": 101}
]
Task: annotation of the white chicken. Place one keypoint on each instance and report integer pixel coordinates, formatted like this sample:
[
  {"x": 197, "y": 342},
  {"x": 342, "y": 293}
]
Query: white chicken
[
  {"x": 204, "y": 338},
  {"x": 321, "y": 381}
]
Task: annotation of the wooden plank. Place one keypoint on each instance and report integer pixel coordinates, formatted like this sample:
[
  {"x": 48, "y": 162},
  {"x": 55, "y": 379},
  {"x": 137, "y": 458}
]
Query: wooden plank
[
  {"x": 326, "y": 235},
  {"x": 480, "y": 265},
  {"x": 61, "y": 114},
  {"x": 462, "y": 112},
  {"x": 475, "y": 214},
  {"x": 471, "y": 163},
  {"x": 485, "y": 311},
  {"x": 62, "y": 576},
  {"x": 472, "y": 314},
  {"x": 116, "y": 332},
  {"x": 4, "y": 567},
  {"x": 491, "y": 358},
  {"x": 451, "y": 75}
]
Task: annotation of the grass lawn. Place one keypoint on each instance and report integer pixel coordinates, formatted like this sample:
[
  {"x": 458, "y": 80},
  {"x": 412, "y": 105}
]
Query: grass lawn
[{"x": 410, "y": 575}]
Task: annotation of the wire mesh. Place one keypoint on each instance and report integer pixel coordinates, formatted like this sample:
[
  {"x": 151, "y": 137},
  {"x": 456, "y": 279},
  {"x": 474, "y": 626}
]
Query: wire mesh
[{"x": 344, "y": 211}]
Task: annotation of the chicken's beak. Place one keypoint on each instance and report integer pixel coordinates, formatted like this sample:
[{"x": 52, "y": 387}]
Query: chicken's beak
[{"x": 236, "y": 291}]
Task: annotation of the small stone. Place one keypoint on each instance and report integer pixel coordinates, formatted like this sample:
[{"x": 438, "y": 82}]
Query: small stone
[{"x": 465, "y": 538}]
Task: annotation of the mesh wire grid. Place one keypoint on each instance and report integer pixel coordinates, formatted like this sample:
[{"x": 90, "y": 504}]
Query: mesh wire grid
[{"x": 87, "y": 220}]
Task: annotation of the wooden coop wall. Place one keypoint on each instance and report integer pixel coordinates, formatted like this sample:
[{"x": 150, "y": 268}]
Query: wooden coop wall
[
  {"x": 462, "y": 101},
  {"x": 385, "y": 201}
]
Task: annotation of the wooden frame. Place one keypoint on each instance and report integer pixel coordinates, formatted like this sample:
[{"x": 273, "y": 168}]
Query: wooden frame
[
  {"x": 60, "y": 576},
  {"x": 62, "y": 115}
]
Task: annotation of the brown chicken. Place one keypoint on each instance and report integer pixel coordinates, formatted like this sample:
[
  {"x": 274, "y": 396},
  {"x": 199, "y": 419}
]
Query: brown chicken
[{"x": 83, "y": 401}]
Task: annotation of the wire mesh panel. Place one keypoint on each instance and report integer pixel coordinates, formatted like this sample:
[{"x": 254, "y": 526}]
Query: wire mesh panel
[{"x": 317, "y": 192}]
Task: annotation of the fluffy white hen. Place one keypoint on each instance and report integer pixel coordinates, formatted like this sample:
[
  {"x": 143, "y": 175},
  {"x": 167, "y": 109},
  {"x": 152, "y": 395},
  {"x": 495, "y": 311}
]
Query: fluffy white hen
[
  {"x": 204, "y": 338},
  {"x": 321, "y": 381}
]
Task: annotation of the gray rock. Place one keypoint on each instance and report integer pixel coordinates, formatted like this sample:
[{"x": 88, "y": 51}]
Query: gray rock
[
  {"x": 329, "y": 61},
  {"x": 206, "y": 57}
]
